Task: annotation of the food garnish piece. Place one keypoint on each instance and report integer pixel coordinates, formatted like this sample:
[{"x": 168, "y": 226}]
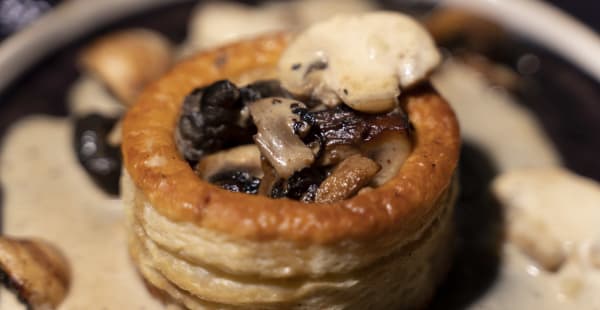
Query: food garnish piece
[
  {"x": 35, "y": 270},
  {"x": 347, "y": 179},
  {"x": 363, "y": 61},
  {"x": 343, "y": 126},
  {"x": 128, "y": 60}
]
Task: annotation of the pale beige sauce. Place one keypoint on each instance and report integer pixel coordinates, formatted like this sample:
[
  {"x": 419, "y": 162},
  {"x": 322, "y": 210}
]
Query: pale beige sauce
[
  {"x": 47, "y": 194},
  {"x": 512, "y": 137}
]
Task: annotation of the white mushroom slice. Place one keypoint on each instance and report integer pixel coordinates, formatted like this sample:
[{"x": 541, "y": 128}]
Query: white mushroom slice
[
  {"x": 276, "y": 138},
  {"x": 347, "y": 179},
  {"x": 389, "y": 149},
  {"x": 362, "y": 60},
  {"x": 245, "y": 157},
  {"x": 127, "y": 61},
  {"x": 35, "y": 270}
]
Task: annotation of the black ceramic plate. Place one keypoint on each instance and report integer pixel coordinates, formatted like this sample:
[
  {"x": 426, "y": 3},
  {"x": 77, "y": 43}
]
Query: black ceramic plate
[{"x": 564, "y": 99}]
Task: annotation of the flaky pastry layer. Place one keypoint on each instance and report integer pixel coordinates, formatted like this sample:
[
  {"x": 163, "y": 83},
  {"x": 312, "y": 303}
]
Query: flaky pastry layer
[
  {"x": 207, "y": 247},
  {"x": 239, "y": 277}
]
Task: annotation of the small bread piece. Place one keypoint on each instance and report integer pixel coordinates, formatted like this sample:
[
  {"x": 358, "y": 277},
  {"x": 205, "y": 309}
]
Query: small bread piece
[
  {"x": 126, "y": 61},
  {"x": 35, "y": 270},
  {"x": 207, "y": 247}
]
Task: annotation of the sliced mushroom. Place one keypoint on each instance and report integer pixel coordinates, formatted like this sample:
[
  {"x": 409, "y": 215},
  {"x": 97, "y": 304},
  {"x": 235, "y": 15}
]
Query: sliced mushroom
[
  {"x": 276, "y": 137},
  {"x": 343, "y": 125},
  {"x": 128, "y": 60},
  {"x": 347, "y": 179},
  {"x": 243, "y": 158},
  {"x": 334, "y": 154},
  {"x": 389, "y": 150},
  {"x": 362, "y": 60},
  {"x": 269, "y": 179},
  {"x": 35, "y": 270}
]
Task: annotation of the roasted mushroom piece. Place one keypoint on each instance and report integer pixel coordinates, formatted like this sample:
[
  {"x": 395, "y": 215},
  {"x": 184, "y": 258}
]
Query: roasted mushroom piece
[
  {"x": 347, "y": 179},
  {"x": 35, "y": 270},
  {"x": 128, "y": 60},
  {"x": 277, "y": 138}
]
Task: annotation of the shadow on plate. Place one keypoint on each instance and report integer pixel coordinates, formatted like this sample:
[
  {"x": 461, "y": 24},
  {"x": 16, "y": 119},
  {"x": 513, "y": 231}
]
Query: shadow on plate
[{"x": 479, "y": 224}]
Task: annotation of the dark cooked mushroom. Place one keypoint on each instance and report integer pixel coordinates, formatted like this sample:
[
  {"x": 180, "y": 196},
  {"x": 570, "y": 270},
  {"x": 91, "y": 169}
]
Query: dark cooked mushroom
[
  {"x": 343, "y": 125},
  {"x": 236, "y": 181},
  {"x": 302, "y": 185},
  {"x": 210, "y": 121},
  {"x": 347, "y": 178},
  {"x": 263, "y": 89},
  {"x": 34, "y": 270},
  {"x": 100, "y": 159}
]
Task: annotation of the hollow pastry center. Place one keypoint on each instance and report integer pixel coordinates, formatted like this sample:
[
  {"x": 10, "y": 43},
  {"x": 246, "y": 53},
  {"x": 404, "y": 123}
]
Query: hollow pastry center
[{"x": 261, "y": 139}]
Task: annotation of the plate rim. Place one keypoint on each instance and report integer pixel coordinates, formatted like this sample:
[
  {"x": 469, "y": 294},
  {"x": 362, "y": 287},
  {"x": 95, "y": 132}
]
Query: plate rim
[{"x": 74, "y": 19}]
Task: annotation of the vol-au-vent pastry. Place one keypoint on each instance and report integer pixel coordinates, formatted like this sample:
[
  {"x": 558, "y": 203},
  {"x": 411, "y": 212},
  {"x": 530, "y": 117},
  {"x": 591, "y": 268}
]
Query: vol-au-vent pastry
[{"x": 296, "y": 171}]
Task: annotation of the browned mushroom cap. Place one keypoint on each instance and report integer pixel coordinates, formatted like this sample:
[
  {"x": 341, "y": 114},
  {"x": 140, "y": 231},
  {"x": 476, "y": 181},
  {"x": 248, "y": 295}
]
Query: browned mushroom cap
[
  {"x": 245, "y": 157},
  {"x": 128, "y": 60},
  {"x": 35, "y": 270},
  {"x": 347, "y": 179}
]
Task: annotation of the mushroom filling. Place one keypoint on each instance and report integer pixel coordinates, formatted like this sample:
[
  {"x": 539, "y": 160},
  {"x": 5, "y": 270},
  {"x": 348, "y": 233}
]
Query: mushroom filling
[{"x": 260, "y": 139}]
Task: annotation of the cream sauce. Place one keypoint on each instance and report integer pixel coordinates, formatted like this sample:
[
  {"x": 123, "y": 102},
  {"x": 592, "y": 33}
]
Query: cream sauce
[
  {"x": 569, "y": 208},
  {"x": 362, "y": 60},
  {"x": 47, "y": 194},
  {"x": 509, "y": 133}
]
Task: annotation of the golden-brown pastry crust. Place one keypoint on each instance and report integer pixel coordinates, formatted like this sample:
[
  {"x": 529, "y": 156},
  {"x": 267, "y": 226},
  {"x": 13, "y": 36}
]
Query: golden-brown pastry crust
[{"x": 402, "y": 205}]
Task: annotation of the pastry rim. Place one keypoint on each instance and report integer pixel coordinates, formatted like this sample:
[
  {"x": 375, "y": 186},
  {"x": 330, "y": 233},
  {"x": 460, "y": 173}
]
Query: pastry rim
[{"x": 402, "y": 205}]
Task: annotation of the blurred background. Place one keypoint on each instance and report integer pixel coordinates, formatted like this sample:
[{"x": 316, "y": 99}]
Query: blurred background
[{"x": 16, "y": 14}]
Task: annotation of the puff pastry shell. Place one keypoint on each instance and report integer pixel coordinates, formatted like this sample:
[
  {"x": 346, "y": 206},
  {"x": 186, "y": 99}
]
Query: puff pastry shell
[{"x": 208, "y": 248}]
